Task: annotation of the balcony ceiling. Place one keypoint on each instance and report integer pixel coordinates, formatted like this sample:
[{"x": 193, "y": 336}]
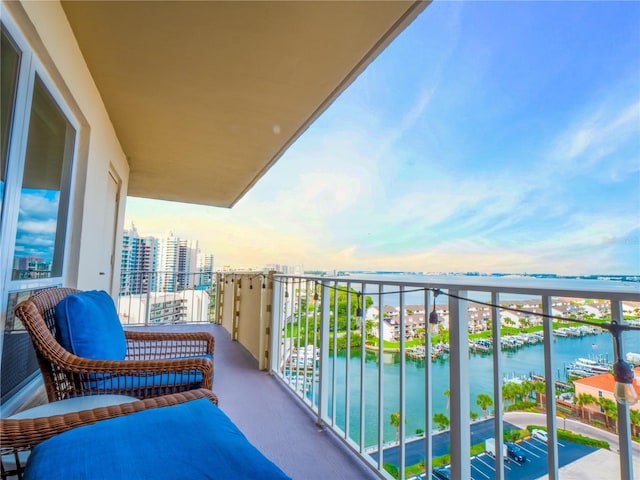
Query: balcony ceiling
[{"x": 206, "y": 96}]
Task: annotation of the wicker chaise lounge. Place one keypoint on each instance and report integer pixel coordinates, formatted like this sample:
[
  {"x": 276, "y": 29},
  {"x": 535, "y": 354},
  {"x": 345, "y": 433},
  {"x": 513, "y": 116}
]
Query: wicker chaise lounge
[
  {"x": 179, "y": 436},
  {"x": 144, "y": 364}
]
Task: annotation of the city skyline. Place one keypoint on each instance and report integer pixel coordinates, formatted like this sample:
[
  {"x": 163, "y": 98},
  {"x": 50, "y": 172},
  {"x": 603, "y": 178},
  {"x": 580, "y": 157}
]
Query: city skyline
[{"x": 498, "y": 136}]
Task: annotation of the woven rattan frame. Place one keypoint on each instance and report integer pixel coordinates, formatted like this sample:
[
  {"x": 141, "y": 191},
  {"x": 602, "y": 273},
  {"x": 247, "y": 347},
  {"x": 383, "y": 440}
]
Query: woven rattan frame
[
  {"x": 18, "y": 436},
  {"x": 160, "y": 357}
]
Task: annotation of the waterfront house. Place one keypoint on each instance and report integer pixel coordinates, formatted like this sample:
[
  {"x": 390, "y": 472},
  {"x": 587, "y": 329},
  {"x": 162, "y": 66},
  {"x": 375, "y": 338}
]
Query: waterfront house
[{"x": 601, "y": 386}]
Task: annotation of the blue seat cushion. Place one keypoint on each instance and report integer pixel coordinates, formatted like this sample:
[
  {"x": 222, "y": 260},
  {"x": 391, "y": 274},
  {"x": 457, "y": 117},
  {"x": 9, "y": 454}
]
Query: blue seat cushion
[
  {"x": 88, "y": 326},
  {"x": 144, "y": 384},
  {"x": 193, "y": 440}
]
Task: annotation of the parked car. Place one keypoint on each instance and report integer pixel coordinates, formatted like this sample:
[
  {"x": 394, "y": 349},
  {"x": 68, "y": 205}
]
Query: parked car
[
  {"x": 442, "y": 473},
  {"x": 515, "y": 452},
  {"x": 539, "y": 434}
]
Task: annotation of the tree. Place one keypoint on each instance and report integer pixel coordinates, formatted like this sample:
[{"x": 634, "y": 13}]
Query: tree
[
  {"x": 540, "y": 388},
  {"x": 441, "y": 420},
  {"x": 635, "y": 420},
  {"x": 394, "y": 419},
  {"x": 473, "y": 415},
  {"x": 392, "y": 470},
  {"x": 484, "y": 401},
  {"x": 526, "y": 389},
  {"x": 585, "y": 399},
  {"x": 443, "y": 333},
  {"x": 510, "y": 391},
  {"x": 610, "y": 409},
  {"x": 447, "y": 393}
]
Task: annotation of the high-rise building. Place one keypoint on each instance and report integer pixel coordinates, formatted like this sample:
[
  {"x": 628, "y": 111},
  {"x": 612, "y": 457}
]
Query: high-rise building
[
  {"x": 170, "y": 264},
  {"x": 139, "y": 259},
  {"x": 206, "y": 271}
]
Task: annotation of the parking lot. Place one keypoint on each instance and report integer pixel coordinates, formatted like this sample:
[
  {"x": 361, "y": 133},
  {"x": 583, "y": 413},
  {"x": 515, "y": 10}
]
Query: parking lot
[{"x": 535, "y": 466}]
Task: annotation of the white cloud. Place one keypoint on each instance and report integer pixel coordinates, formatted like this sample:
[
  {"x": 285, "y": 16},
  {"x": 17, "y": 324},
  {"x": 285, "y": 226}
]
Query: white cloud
[
  {"x": 594, "y": 137},
  {"x": 34, "y": 227}
]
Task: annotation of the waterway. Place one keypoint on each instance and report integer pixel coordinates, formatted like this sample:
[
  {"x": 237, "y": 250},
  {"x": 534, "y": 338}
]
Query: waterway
[{"x": 522, "y": 362}]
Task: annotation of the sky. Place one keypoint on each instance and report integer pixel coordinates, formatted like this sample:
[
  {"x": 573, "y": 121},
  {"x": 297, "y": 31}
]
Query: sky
[{"x": 489, "y": 137}]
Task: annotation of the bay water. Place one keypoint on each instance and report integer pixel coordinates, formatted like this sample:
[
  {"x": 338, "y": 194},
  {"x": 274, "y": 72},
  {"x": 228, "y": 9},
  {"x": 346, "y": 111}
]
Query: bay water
[{"x": 527, "y": 360}]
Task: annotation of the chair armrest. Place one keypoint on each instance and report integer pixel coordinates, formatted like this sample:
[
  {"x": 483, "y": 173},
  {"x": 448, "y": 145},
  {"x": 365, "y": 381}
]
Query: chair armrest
[
  {"x": 20, "y": 435},
  {"x": 156, "y": 345}
]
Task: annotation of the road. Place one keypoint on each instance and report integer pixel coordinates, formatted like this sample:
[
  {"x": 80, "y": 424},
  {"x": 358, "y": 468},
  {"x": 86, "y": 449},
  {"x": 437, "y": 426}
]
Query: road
[
  {"x": 414, "y": 452},
  {"x": 522, "y": 419},
  {"x": 482, "y": 430}
]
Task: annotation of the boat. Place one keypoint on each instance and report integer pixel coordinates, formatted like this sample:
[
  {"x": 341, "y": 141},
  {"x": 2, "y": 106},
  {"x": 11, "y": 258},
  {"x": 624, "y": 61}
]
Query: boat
[
  {"x": 633, "y": 358},
  {"x": 578, "y": 372},
  {"x": 419, "y": 351},
  {"x": 592, "y": 365}
]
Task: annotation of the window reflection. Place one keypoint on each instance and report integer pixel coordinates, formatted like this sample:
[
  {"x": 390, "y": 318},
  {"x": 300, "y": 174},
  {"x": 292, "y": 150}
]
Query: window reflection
[
  {"x": 39, "y": 245},
  {"x": 10, "y": 59}
]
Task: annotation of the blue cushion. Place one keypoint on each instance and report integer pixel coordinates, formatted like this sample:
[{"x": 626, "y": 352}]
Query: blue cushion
[
  {"x": 88, "y": 326},
  {"x": 144, "y": 384},
  {"x": 146, "y": 381},
  {"x": 193, "y": 440}
]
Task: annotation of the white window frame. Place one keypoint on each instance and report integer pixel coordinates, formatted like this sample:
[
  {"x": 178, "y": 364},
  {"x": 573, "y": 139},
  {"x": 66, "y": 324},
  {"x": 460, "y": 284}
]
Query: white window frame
[{"x": 30, "y": 66}]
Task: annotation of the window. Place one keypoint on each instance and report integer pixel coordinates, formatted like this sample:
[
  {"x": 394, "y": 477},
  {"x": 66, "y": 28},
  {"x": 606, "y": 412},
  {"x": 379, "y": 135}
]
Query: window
[
  {"x": 10, "y": 61},
  {"x": 38, "y": 137},
  {"x": 44, "y": 197}
]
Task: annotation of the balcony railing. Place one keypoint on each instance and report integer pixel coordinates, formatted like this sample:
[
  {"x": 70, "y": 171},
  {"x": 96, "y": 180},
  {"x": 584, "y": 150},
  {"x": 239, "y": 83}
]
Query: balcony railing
[
  {"x": 320, "y": 326},
  {"x": 165, "y": 297}
]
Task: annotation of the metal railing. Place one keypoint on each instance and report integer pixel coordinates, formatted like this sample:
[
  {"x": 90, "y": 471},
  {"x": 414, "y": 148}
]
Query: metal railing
[
  {"x": 322, "y": 324},
  {"x": 164, "y": 297}
]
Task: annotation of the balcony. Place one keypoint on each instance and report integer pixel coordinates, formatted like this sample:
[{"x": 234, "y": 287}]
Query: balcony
[
  {"x": 310, "y": 378},
  {"x": 289, "y": 395}
]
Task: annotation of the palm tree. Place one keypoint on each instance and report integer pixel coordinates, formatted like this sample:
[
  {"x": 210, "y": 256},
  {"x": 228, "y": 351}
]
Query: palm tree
[
  {"x": 441, "y": 420},
  {"x": 610, "y": 409},
  {"x": 635, "y": 420},
  {"x": 395, "y": 422},
  {"x": 526, "y": 388},
  {"x": 585, "y": 399},
  {"x": 447, "y": 393},
  {"x": 540, "y": 388},
  {"x": 510, "y": 391},
  {"x": 484, "y": 401}
]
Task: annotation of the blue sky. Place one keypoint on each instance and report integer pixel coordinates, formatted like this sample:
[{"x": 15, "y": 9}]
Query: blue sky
[{"x": 489, "y": 136}]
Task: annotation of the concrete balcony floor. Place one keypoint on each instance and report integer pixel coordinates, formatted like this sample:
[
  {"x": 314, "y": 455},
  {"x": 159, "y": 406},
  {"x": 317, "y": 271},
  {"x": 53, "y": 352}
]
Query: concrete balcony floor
[{"x": 275, "y": 421}]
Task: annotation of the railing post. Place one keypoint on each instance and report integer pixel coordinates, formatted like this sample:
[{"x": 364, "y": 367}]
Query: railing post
[
  {"x": 148, "y": 313},
  {"x": 497, "y": 384},
  {"x": 323, "y": 383},
  {"x": 550, "y": 400},
  {"x": 428, "y": 399},
  {"x": 624, "y": 421},
  {"x": 402, "y": 399},
  {"x": 275, "y": 356},
  {"x": 459, "y": 387},
  {"x": 363, "y": 340},
  {"x": 380, "y": 379}
]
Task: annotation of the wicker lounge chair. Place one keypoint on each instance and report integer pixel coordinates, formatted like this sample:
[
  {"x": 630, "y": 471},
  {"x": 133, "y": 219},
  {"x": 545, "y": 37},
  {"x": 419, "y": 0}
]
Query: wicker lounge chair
[
  {"x": 179, "y": 436},
  {"x": 18, "y": 437},
  {"x": 155, "y": 364}
]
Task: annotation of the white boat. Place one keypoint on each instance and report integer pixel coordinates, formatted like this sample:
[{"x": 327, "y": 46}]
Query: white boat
[
  {"x": 633, "y": 358},
  {"x": 591, "y": 365}
]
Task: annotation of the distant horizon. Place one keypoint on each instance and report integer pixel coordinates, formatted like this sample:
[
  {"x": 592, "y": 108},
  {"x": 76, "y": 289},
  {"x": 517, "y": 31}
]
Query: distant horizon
[{"x": 488, "y": 136}]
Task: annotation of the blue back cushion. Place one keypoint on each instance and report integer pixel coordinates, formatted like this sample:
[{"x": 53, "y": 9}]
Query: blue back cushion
[
  {"x": 191, "y": 441},
  {"x": 88, "y": 326}
]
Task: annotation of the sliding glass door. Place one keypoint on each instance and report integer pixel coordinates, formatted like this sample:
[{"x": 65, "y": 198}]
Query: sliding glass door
[{"x": 38, "y": 150}]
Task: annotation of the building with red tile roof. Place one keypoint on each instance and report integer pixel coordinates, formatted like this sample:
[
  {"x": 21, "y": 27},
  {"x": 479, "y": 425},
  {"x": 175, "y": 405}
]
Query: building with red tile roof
[{"x": 602, "y": 386}]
